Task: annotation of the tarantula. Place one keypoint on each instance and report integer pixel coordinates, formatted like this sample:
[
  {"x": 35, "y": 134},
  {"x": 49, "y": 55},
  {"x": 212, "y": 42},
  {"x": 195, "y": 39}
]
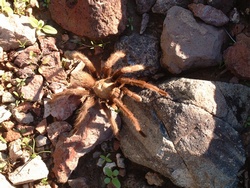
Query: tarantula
[{"x": 107, "y": 88}]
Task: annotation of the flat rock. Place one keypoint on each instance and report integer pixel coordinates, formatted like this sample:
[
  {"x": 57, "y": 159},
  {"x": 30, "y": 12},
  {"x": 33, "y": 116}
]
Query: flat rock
[
  {"x": 193, "y": 138},
  {"x": 33, "y": 170},
  {"x": 209, "y": 14},
  {"x": 237, "y": 57},
  {"x": 187, "y": 44},
  {"x": 33, "y": 91},
  {"x": 70, "y": 147},
  {"x": 15, "y": 29},
  {"x": 92, "y": 19}
]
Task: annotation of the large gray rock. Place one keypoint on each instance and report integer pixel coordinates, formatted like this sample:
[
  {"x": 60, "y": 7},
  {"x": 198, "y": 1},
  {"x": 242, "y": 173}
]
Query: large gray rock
[
  {"x": 92, "y": 19},
  {"x": 140, "y": 49},
  {"x": 192, "y": 138},
  {"x": 15, "y": 29},
  {"x": 188, "y": 44}
]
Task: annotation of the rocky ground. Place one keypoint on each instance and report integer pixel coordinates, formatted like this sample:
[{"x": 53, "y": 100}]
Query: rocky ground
[{"x": 197, "y": 51}]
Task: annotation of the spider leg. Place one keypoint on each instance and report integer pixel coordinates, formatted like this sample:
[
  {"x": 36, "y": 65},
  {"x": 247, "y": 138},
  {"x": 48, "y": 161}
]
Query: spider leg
[
  {"x": 87, "y": 104},
  {"x": 129, "y": 114},
  {"x": 131, "y": 94},
  {"x": 112, "y": 121},
  {"x": 78, "y": 91},
  {"x": 127, "y": 69},
  {"x": 142, "y": 84},
  {"x": 106, "y": 69},
  {"x": 83, "y": 58}
]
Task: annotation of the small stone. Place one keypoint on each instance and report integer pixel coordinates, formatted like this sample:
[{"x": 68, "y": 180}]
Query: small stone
[
  {"x": 41, "y": 141},
  {"x": 11, "y": 135},
  {"x": 3, "y": 160},
  {"x": 15, "y": 150},
  {"x": 3, "y": 146},
  {"x": 120, "y": 161},
  {"x": 7, "y": 125},
  {"x": 209, "y": 14},
  {"x": 109, "y": 165},
  {"x": 22, "y": 117},
  {"x": 4, "y": 114},
  {"x": 42, "y": 126},
  {"x": 4, "y": 182},
  {"x": 78, "y": 182},
  {"x": 154, "y": 179},
  {"x": 7, "y": 97},
  {"x": 31, "y": 171},
  {"x": 33, "y": 91}
]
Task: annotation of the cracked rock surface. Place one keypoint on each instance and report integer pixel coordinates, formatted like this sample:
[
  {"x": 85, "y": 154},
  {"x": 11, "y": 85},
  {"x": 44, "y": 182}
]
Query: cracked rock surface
[{"x": 192, "y": 138}]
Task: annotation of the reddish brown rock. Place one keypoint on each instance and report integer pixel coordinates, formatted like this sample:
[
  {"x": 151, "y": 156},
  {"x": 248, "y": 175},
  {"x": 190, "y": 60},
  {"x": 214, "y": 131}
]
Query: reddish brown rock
[
  {"x": 33, "y": 91},
  {"x": 237, "y": 57},
  {"x": 209, "y": 14},
  {"x": 93, "y": 19},
  {"x": 51, "y": 68},
  {"x": 11, "y": 135},
  {"x": 70, "y": 147}
]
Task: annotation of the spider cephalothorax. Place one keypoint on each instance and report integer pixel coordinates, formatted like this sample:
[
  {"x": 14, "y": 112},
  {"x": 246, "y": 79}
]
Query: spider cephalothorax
[{"x": 107, "y": 88}]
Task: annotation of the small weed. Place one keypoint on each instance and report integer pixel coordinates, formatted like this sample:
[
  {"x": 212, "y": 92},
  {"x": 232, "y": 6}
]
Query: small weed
[
  {"x": 130, "y": 23},
  {"x": 22, "y": 44},
  {"x": 94, "y": 44},
  {"x": 21, "y": 6},
  {"x": 5, "y": 7},
  {"x": 46, "y": 3},
  {"x": 112, "y": 177},
  {"x": 106, "y": 158},
  {"x": 39, "y": 26},
  {"x": 44, "y": 181}
]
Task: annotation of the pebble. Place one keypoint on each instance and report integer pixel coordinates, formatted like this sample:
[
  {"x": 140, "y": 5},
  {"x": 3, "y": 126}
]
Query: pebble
[
  {"x": 109, "y": 165},
  {"x": 41, "y": 141},
  {"x": 3, "y": 146},
  {"x": 154, "y": 179},
  {"x": 22, "y": 117},
  {"x": 31, "y": 171},
  {"x": 4, "y": 114},
  {"x": 4, "y": 182},
  {"x": 15, "y": 150},
  {"x": 120, "y": 161},
  {"x": 7, "y": 97},
  {"x": 3, "y": 160}
]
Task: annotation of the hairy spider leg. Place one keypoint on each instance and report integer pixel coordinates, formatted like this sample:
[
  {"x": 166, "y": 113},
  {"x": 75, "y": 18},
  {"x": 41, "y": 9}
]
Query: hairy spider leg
[
  {"x": 129, "y": 114},
  {"x": 78, "y": 91},
  {"x": 114, "y": 57},
  {"x": 127, "y": 69},
  {"x": 142, "y": 84},
  {"x": 82, "y": 112},
  {"x": 83, "y": 58},
  {"x": 131, "y": 94},
  {"x": 112, "y": 121}
]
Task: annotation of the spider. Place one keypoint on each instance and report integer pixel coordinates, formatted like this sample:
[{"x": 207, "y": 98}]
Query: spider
[{"x": 107, "y": 88}]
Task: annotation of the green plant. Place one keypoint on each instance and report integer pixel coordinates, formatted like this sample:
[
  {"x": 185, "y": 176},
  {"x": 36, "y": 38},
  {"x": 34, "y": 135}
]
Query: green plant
[
  {"x": 22, "y": 44},
  {"x": 46, "y": 3},
  {"x": 130, "y": 23},
  {"x": 105, "y": 159},
  {"x": 247, "y": 123},
  {"x": 112, "y": 177},
  {"x": 39, "y": 26},
  {"x": 21, "y": 6},
  {"x": 44, "y": 181},
  {"x": 5, "y": 7},
  {"x": 94, "y": 44},
  {"x": 26, "y": 143}
]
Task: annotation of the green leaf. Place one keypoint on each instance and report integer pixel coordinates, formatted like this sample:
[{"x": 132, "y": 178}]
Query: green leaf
[
  {"x": 115, "y": 173},
  {"x": 108, "y": 171},
  {"x": 33, "y": 22},
  {"x": 2, "y": 139},
  {"x": 116, "y": 182},
  {"x": 49, "y": 30},
  {"x": 107, "y": 180},
  {"x": 8, "y": 10},
  {"x": 40, "y": 24}
]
